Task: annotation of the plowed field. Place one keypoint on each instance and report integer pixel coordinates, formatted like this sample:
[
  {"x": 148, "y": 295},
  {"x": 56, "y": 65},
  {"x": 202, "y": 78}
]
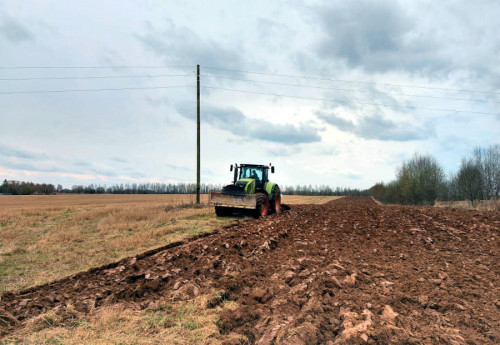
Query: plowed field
[{"x": 346, "y": 272}]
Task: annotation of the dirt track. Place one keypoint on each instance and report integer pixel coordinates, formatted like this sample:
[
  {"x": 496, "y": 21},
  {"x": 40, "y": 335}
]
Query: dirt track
[{"x": 347, "y": 272}]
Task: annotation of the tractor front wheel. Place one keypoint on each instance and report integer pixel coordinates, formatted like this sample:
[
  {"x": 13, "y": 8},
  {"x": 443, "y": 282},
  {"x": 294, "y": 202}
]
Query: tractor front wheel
[{"x": 262, "y": 207}]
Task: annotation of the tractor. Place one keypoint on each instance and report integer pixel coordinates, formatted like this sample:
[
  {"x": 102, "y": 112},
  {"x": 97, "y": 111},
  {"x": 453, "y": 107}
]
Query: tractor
[{"x": 250, "y": 191}]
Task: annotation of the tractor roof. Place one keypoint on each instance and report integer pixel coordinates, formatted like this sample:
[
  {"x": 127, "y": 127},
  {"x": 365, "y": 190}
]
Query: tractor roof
[{"x": 255, "y": 165}]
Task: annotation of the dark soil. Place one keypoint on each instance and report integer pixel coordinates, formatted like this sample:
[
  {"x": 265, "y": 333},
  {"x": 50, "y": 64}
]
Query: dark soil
[{"x": 347, "y": 272}]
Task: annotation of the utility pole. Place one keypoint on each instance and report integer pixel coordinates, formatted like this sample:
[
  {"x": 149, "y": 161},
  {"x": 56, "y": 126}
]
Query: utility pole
[{"x": 198, "y": 134}]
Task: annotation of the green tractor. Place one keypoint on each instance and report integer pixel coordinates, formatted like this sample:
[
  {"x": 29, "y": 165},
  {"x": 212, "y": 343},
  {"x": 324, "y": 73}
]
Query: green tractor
[{"x": 251, "y": 190}]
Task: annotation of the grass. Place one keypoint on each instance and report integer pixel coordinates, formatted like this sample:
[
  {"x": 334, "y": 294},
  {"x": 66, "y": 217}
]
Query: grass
[
  {"x": 164, "y": 323},
  {"x": 50, "y": 237},
  {"x": 482, "y": 205}
]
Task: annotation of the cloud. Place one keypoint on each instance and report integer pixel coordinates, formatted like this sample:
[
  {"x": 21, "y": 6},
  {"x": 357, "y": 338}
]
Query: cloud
[
  {"x": 283, "y": 151},
  {"x": 82, "y": 163},
  {"x": 378, "y": 128},
  {"x": 183, "y": 46},
  {"x": 176, "y": 167},
  {"x": 119, "y": 159},
  {"x": 9, "y": 151},
  {"x": 376, "y": 36},
  {"x": 436, "y": 40},
  {"x": 13, "y": 30},
  {"x": 233, "y": 120},
  {"x": 18, "y": 159},
  {"x": 33, "y": 166}
]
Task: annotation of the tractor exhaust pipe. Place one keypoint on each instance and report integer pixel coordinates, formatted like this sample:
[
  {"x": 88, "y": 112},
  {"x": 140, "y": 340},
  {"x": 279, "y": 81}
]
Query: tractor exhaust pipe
[{"x": 235, "y": 178}]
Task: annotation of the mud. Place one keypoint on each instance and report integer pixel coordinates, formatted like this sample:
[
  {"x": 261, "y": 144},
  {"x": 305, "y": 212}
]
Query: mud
[{"x": 347, "y": 272}]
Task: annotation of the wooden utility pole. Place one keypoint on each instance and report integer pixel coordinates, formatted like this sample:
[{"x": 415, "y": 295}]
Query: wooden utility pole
[{"x": 198, "y": 134}]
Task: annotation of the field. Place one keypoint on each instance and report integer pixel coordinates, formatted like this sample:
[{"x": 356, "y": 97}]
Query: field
[
  {"x": 348, "y": 271},
  {"x": 44, "y": 238}
]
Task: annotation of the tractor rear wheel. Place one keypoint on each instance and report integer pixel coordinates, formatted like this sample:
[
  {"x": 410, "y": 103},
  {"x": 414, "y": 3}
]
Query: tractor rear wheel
[
  {"x": 276, "y": 202},
  {"x": 262, "y": 207}
]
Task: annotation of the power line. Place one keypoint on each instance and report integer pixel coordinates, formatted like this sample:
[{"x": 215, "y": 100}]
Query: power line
[
  {"x": 89, "y": 67},
  {"x": 350, "y": 101},
  {"x": 98, "y": 77},
  {"x": 95, "y": 90},
  {"x": 355, "y": 90},
  {"x": 350, "y": 81}
]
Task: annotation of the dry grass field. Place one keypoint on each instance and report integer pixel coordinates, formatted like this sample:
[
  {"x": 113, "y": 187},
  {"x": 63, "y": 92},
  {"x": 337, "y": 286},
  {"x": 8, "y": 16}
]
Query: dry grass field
[
  {"x": 481, "y": 205},
  {"x": 43, "y": 238},
  {"x": 305, "y": 199}
]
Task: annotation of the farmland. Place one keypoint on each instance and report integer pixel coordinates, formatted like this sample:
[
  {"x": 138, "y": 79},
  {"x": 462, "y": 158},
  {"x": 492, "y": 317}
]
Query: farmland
[
  {"x": 49, "y": 237},
  {"x": 348, "y": 271}
]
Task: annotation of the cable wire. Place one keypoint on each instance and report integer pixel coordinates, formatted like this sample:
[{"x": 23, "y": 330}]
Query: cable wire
[
  {"x": 91, "y": 90},
  {"x": 89, "y": 67},
  {"x": 355, "y": 90},
  {"x": 350, "y": 101},
  {"x": 98, "y": 77},
  {"x": 350, "y": 81}
]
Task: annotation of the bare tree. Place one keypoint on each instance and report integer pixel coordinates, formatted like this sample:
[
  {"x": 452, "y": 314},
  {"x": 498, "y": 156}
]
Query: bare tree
[
  {"x": 487, "y": 161},
  {"x": 420, "y": 180},
  {"x": 470, "y": 180}
]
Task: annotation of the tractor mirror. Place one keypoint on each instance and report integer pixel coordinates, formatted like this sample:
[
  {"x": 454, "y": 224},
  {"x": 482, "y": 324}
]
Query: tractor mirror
[
  {"x": 272, "y": 170},
  {"x": 231, "y": 168}
]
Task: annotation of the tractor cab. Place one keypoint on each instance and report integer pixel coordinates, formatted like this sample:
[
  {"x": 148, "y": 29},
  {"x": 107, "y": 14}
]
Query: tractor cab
[
  {"x": 254, "y": 173},
  {"x": 259, "y": 173}
]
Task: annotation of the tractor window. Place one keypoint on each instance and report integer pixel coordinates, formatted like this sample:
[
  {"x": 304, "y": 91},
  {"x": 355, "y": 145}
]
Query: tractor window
[{"x": 251, "y": 172}]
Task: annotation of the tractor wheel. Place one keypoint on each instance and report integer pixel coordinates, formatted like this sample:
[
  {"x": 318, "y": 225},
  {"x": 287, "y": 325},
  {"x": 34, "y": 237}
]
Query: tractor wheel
[
  {"x": 277, "y": 204},
  {"x": 262, "y": 207},
  {"x": 221, "y": 211}
]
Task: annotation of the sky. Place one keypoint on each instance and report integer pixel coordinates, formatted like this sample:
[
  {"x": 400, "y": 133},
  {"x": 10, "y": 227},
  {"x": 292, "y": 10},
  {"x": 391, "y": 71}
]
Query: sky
[{"x": 335, "y": 93}]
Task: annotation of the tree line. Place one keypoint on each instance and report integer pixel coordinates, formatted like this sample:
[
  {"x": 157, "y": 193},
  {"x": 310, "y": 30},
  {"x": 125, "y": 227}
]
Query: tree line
[
  {"x": 27, "y": 188},
  {"x": 421, "y": 180},
  {"x": 145, "y": 188},
  {"x": 322, "y": 190}
]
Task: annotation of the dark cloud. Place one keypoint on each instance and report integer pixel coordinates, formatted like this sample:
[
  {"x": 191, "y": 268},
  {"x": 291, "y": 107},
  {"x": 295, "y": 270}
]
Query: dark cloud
[
  {"x": 13, "y": 30},
  {"x": 378, "y": 128},
  {"x": 181, "y": 45},
  {"x": 233, "y": 120},
  {"x": 375, "y": 35}
]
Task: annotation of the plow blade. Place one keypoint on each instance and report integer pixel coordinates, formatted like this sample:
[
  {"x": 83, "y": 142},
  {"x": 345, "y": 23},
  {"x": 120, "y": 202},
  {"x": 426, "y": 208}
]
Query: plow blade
[{"x": 235, "y": 201}]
